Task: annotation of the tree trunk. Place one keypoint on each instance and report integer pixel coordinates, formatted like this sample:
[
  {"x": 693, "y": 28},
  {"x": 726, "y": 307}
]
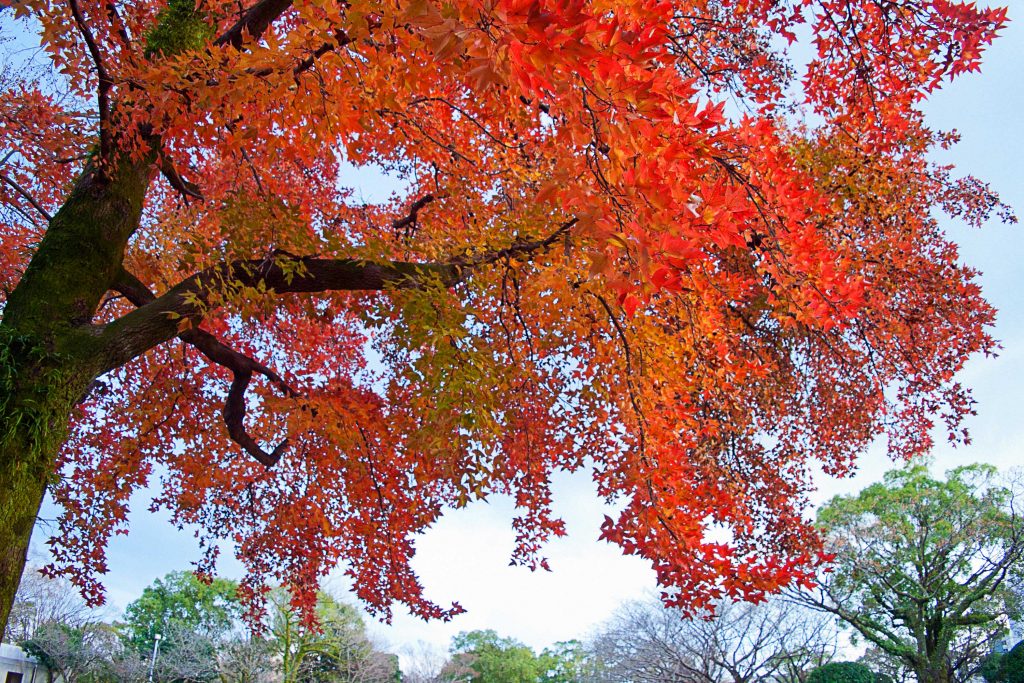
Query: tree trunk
[
  {"x": 49, "y": 349},
  {"x": 34, "y": 419},
  {"x": 934, "y": 672}
]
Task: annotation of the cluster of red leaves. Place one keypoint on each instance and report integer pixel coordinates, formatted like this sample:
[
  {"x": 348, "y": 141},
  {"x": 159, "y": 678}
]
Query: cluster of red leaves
[{"x": 738, "y": 298}]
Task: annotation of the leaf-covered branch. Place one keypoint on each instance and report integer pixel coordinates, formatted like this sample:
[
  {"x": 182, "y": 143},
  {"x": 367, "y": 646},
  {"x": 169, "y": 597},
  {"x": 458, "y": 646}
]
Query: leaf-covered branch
[
  {"x": 253, "y": 23},
  {"x": 241, "y": 366},
  {"x": 168, "y": 315}
]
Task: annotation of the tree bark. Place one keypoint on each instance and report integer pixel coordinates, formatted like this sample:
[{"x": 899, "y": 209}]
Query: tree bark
[
  {"x": 934, "y": 672},
  {"x": 48, "y": 345},
  {"x": 40, "y": 409}
]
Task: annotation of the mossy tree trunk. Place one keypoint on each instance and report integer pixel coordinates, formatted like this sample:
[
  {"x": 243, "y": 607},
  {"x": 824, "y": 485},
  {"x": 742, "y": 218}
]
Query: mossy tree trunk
[
  {"x": 50, "y": 351},
  {"x": 935, "y": 672}
]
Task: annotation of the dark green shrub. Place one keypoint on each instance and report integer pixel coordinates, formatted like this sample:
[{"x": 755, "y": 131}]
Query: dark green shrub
[
  {"x": 1011, "y": 665},
  {"x": 842, "y": 672},
  {"x": 992, "y": 668},
  {"x": 1004, "y": 667}
]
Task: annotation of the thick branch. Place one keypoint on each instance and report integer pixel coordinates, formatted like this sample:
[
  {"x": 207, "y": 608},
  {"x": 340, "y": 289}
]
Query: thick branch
[
  {"x": 234, "y": 415},
  {"x": 188, "y": 302},
  {"x": 165, "y": 317},
  {"x": 183, "y": 187},
  {"x": 256, "y": 20},
  {"x": 241, "y": 366}
]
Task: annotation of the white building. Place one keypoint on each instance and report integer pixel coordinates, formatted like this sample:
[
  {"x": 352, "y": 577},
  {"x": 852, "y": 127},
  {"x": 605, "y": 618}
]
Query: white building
[{"x": 16, "y": 666}]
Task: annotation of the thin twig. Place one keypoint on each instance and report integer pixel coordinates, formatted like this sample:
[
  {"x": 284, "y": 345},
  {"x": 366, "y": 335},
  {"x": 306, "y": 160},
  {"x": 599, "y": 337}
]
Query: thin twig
[
  {"x": 28, "y": 197},
  {"x": 519, "y": 248}
]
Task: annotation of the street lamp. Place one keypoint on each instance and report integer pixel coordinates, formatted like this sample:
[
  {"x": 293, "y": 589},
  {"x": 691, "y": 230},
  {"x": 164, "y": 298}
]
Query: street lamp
[{"x": 152, "y": 661}]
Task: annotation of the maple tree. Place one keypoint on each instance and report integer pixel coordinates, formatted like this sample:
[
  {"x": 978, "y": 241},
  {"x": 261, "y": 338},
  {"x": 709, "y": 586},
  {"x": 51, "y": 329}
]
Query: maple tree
[{"x": 628, "y": 236}]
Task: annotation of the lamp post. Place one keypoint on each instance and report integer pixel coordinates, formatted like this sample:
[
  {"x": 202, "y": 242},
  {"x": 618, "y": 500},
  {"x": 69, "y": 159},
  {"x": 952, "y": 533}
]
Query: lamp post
[{"x": 152, "y": 661}]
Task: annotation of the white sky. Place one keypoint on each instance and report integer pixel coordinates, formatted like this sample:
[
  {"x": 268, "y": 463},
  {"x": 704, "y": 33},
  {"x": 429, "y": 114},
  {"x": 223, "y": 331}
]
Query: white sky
[{"x": 465, "y": 556}]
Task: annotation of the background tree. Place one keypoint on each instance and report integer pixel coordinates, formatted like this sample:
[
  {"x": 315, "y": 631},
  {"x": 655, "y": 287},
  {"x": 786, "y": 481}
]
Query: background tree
[
  {"x": 44, "y": 600},
  {"x": 739, "y": 642},
  {"x": 423, "y": 663},
  {"x": 1005, "y": 667},
  {"x": 494, "y": 659},
  {"x": 202, "y": 637},
  {"x": 569, "y": 662},
  {"x": 90, "y": 653},
  {"x": 185, "y": 655},
  {"x": 486, "y": 657},
  {"x": 184, "y": 610},
  {"x": 335, "y": 649},
  {"x": 588, "y": 254},
  {"x": 884, "y": 664},
  {"x": 245, "y": 660},
  {"x": 921, "y": 565},
  {"x": 194, "y": 618},
  {"x": 842, "y": 672}
]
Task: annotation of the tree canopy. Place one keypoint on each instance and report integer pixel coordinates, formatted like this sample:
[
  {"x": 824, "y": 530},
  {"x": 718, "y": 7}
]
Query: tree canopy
[
  {"x": 1005, "y": 667},
  {"x": 181, "y": 602},
  {"x": 486, "y": 657},
  {"x": 842, "y": 672},
  {"x": 921, "y": 566},
  {"x": 632, "y": 235}
]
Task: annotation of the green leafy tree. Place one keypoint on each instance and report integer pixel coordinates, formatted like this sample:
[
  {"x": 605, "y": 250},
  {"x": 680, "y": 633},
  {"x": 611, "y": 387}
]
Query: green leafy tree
[
  {"x": 1012, "y": 665},
  {"x": 495, "y": 659},
  {"x": 486, "y": 657},
  {"x": 181, "y": 604},
  {"x": 1005, "y": 667},
  {"x": 842, "y": 672},
  {"x": 568, "y": 662},
  {"x": 202, "y": 638},
  {"x": 991, "y": 669},
  {"x": 921, "y": 566}
]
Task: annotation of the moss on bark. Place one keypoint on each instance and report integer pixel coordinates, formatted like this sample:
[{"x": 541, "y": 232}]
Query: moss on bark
[
  {"x": 49, "y": 350},
  {"x": 38, "y": 389}
]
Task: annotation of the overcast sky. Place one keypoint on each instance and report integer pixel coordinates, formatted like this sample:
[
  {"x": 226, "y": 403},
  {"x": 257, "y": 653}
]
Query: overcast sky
[{"x": 465, "y": 557}]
